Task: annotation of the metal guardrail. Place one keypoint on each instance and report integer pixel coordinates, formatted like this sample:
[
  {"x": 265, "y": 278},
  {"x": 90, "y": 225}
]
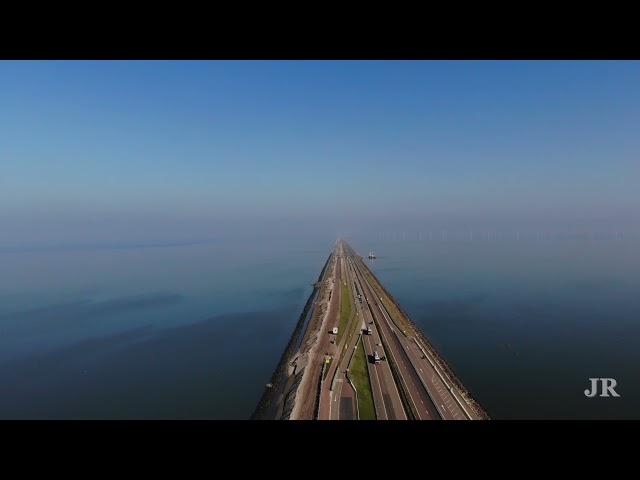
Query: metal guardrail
[
  {"x": 387, "y": 316},
  {"x": 385, "y": 312},
  {"x": 410, "y": 406},
  {"x": 449, "y": 387},
  {"x": 405, "y": 396}
]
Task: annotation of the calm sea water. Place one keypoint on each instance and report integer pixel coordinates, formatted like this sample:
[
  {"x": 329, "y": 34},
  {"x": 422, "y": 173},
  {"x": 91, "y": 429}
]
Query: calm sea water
[
  {"x": 526, "y": 323},
  {"x": 192, "y": 331},
  {"x": 195, "y": 331}
]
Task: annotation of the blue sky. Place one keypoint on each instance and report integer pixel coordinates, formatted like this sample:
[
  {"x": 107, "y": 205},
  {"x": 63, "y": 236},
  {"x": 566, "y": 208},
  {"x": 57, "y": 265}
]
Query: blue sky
[{"x": 113, "y": 145}]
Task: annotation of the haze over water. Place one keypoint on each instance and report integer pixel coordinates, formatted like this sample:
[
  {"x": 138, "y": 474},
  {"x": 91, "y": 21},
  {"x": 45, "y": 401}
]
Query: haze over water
[
  {"x": 161, "y": 224},
  {"x": 195, "y": 331},
  {"x": 525, "y": 322},
  {"x": 190, "y": 331}
]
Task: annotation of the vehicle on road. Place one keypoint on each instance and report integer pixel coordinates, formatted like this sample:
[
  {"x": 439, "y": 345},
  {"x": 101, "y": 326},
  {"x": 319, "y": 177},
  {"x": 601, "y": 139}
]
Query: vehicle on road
[
  {"x": 335, "y": 330},
  {"x": 376, "y": 357},
  {"x": 369, "y": 331}
]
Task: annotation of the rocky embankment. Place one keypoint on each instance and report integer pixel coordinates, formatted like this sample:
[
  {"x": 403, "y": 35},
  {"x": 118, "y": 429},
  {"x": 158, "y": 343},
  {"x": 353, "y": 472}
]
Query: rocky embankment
[{"x": 279, "y": 397}]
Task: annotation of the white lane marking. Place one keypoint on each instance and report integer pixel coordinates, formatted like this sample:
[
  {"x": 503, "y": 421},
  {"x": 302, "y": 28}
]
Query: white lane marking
[
  {"x": 391, "y": 352},
  {"x": 403, "y": 362},
  {"x": 384, "y": 314},
  {"x": 407, "y": 350},
  {"x": 450, "y": 388},
  {"x": 386, "y": 367},
  {"x": 384, "y": 408}
]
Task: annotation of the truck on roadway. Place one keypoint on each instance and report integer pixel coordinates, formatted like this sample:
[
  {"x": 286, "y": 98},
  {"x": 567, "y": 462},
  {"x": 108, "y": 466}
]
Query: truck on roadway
[
  {"x": 335, "y": 330},
  {"x": 376, "y": 357}
]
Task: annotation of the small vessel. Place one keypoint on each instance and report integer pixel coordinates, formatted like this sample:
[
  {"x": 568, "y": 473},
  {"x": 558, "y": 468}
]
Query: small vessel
[{"x": 372, "y": 255}]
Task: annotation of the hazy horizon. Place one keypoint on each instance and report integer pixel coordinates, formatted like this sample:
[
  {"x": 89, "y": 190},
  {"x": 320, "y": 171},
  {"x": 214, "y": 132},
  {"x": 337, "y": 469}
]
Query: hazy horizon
[
  {"x": 162, "y": 225},
  {"x": 145, "y": 152}
]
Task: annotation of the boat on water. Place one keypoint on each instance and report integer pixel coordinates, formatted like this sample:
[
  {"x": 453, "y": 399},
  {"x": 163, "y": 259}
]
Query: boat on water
[{"x": 372, "y": 255}]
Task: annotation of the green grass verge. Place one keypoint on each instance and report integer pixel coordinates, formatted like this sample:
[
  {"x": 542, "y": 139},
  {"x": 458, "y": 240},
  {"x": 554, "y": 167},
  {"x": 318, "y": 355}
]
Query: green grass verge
[
  {"x": 345, "y": 311},
  {"x": 359, "y": 375}
]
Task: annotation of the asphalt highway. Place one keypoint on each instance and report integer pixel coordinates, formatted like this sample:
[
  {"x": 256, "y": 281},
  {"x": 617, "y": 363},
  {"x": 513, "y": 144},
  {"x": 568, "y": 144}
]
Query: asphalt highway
[
  {"x": 415, "y": 388},
  {"x": 386, "y": 397},
  {"x": 429, "y": 392}
]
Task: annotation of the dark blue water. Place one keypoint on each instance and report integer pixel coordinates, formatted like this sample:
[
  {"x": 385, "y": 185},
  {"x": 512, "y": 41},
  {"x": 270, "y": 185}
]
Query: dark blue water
[
  {"x": 196, "y": 330},
  {"x": 525, "y": 322},
  {"x": 191, "y": 331}
]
